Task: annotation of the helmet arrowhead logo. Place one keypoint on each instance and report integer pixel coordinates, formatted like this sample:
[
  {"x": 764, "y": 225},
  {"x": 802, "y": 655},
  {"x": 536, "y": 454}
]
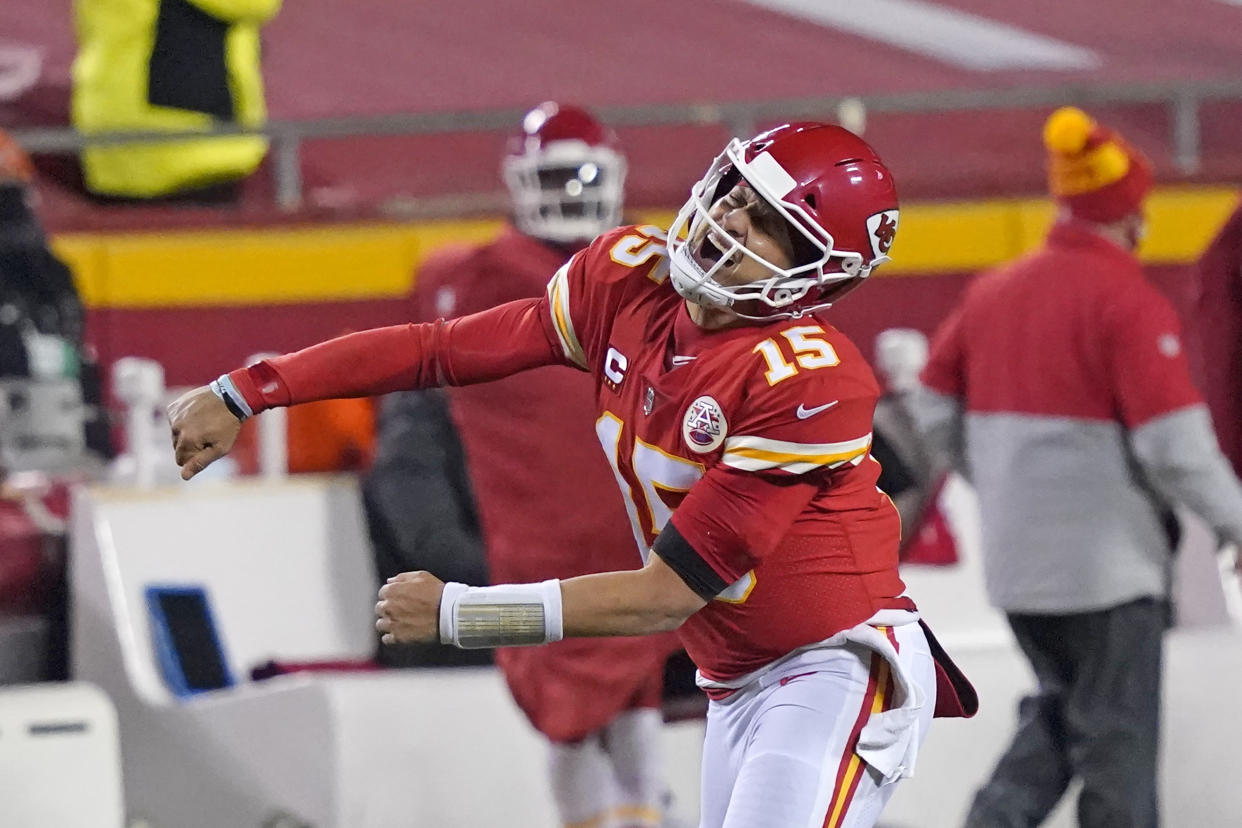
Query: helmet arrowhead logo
[{"x": 882, "y": 229}]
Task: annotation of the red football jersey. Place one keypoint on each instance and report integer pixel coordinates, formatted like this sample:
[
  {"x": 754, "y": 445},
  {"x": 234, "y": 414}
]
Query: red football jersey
[
  {"x": 758, "y": 436},
  {"x": 530, "y": 453},
  {"x": 527, "y": 438},
  {"x": 754, "y": 440}
]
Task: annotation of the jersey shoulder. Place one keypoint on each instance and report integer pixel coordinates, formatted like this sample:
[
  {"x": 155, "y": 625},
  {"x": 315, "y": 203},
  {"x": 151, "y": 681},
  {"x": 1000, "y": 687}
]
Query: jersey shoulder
[
  {"x": 807, "y": 401},
  {"x": 797, "y": 359},
  {"x": 620, "y": 268},
  {"x": 624, "y": 255}
]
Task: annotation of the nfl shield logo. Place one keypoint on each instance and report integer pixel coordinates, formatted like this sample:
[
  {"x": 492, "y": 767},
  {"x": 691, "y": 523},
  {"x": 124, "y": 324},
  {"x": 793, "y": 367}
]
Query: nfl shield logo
[{"x": 704, "y": 426}]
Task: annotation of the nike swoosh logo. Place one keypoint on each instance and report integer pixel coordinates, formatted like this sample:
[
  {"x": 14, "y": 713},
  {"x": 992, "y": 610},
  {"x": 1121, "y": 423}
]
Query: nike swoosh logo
[
  {"x": 682, "y": 360},
  {"x": 803, "y": 412}
]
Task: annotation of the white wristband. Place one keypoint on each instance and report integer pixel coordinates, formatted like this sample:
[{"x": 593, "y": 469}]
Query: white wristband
[
  {"x": 224, "y": 388},
  {"x": 507, "y": 615}
]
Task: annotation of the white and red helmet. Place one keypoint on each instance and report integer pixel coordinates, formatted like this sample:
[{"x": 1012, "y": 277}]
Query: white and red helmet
[
  {"x": 837, "y": 197},
  {"x": 565, "y": 174}
]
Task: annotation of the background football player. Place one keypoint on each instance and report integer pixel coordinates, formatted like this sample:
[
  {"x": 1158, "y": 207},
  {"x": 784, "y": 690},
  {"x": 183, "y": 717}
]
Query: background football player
[{"x": 545, "y": 500}]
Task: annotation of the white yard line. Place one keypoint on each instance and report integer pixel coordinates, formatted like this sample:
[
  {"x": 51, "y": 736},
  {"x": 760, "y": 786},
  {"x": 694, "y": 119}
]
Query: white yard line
[{"x": 944, "y": 34}]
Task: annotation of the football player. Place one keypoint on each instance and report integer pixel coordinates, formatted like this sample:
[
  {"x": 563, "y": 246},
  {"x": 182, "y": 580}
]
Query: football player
[
  {"x": 597, "y": 701},
  {"x": 737, "y": 422}
]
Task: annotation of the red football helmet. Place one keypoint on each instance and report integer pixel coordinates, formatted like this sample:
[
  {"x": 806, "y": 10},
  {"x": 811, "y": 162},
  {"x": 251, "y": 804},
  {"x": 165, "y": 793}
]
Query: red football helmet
[
  {"x": 565, "y": 174},
  {"x": 837, "y": 197}
]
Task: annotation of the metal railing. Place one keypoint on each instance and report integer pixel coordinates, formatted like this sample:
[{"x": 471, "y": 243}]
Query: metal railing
[{"x": 739, "y": 118}]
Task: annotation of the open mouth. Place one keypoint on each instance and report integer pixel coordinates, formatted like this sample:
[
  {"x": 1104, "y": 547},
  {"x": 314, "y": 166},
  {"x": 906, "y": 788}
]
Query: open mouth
[{"x": 712, "y": 251}]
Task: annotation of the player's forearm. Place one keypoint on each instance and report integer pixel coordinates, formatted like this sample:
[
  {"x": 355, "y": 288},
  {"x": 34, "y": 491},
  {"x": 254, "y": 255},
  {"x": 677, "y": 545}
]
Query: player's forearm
[
  {"x": 477, "y": 348},
  {"x": 624, "y": 603},
  {"x": 359, "y": 364}
]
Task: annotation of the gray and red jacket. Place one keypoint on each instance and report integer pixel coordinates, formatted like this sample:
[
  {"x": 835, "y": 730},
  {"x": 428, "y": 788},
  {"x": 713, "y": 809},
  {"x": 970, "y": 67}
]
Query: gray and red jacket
[{"x": 1062, "y": 387}]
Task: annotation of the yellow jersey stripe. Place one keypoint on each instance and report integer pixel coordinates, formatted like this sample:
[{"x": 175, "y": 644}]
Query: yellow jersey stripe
[{"x": 558, "y": 298}]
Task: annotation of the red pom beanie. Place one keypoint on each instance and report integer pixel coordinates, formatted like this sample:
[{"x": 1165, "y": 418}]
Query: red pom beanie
[{"x": 1091, "y": 169}]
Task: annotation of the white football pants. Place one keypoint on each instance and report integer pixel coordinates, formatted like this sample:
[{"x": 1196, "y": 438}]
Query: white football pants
[{"x": 780, "y": 753}]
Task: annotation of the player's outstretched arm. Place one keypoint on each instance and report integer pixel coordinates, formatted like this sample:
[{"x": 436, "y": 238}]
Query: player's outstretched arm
[
  {"x": 418, "y": 607},
  {"x": 637, "y": 602},
  {"x": 477, "y": 348}
]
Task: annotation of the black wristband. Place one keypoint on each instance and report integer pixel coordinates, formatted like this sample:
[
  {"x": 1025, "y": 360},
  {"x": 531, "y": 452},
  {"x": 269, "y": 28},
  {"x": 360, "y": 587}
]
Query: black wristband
[{"x": 232, "y": 405}]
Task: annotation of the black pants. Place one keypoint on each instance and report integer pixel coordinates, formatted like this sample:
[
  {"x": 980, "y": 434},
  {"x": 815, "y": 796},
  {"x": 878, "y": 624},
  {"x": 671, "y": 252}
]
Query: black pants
[{"x": 1095, "y": 716}]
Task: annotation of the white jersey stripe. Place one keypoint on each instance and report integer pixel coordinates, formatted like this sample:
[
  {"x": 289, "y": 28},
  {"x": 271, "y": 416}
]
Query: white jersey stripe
[
  {"x": 750, "y": 453},
  {"x": 558, "y": 298}
]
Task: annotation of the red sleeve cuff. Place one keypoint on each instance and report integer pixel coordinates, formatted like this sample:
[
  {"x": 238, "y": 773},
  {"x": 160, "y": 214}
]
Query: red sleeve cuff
[{"x": 260, "y": 386}]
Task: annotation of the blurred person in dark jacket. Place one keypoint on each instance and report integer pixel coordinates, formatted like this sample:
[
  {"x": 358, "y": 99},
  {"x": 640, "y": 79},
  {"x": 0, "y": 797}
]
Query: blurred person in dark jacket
[
  {"x": 1063, "y": 383},
  {"x": 49, "y": 380},
  {"x": 506, "y": 477},
  {"x": 900, "y": 353},
  {"x": 34, "y": 279},
  {"x": 52, "y": 429},
  {"x": 913, "y": 475}
]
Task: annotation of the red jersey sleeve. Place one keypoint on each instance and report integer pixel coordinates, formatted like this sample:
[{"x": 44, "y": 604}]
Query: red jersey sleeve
[
  {"x": 945, "y": 371},
  {"x": 1145, "y": 356},
  {"x": 815, "y": 419},
  {"x": 476, "y": 348},
  {"x": 733, "y": 519},
  {"x": 584, "y": 294},
  {"x": 792, "y": 431}
]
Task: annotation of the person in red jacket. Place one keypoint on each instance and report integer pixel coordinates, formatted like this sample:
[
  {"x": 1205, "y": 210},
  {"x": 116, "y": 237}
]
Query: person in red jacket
[
  {"x": 737, "y": 423},
  {"x": 1062, "y": 386},
  {"x": 596, "y": 701}
]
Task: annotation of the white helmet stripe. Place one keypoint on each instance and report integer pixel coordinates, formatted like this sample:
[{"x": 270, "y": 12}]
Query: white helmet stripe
[{"x": 770, "y": 175}]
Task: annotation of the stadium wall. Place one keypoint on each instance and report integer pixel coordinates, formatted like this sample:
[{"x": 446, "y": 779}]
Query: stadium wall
[{"x": 198, "y": 301}]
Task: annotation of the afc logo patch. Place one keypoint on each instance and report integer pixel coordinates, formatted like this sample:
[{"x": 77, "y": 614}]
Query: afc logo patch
[
  {"x": 882, "y": 229},
  {"x": 704, "y": 427}
]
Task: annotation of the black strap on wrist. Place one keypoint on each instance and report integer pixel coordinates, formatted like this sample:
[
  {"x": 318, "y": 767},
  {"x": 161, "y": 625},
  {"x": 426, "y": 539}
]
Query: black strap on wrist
[{"x": 232, "y": 405}]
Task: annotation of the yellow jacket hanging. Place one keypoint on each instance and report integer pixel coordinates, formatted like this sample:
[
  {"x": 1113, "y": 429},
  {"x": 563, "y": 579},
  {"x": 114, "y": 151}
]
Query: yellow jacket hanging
[{"x": 169, "y": 65}]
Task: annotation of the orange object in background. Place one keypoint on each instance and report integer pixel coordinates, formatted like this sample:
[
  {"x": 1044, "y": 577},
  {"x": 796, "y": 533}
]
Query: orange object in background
[
  {"x": 15, "y": 164},
  {"x": 325, "y": 436},
  {"x": 331, "y": 435}
]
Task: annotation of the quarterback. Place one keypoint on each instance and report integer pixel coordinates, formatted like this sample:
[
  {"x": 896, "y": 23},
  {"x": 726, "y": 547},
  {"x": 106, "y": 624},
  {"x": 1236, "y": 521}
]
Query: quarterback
[{"x": 737, "y": 423}]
